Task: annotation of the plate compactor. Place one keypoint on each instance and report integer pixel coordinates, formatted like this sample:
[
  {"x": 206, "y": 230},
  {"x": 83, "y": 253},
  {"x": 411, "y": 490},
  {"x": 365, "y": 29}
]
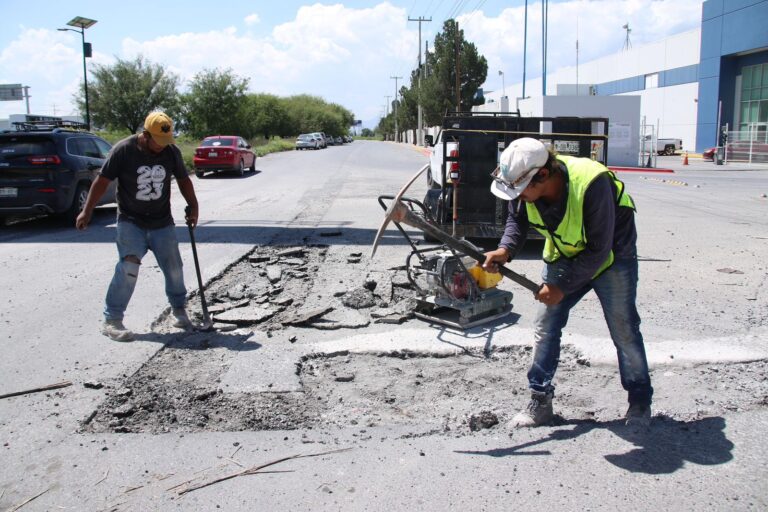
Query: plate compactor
[{"x": 454, "y": 290}]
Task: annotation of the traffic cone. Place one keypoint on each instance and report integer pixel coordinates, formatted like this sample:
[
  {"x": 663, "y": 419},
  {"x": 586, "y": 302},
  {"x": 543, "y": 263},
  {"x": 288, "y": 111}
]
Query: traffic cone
[{"x": 685, "y": 158}]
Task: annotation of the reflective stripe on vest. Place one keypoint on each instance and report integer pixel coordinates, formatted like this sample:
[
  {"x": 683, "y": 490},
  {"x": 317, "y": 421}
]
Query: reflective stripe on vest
[{"x": 570, "y": 238}]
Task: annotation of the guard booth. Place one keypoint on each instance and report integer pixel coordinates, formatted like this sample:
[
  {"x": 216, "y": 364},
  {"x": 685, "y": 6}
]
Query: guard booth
[{"x": 465, "y": 206}]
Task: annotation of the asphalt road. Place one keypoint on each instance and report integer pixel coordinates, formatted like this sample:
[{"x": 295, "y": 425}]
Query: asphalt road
[{"x": 703, "y": 234}]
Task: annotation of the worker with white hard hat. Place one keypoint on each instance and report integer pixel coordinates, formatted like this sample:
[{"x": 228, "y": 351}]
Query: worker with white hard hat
[{"x": 588, "y": 223}]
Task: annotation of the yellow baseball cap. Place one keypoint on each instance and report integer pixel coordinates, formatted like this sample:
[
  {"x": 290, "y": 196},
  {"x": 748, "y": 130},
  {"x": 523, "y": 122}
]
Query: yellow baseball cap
[{"x": 160, "y": 126}]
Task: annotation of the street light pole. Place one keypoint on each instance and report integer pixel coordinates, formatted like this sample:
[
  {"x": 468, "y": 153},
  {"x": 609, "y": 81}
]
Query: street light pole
[
  {"x": 82, "y": 24},
  {"x": 503, "y": 87}
]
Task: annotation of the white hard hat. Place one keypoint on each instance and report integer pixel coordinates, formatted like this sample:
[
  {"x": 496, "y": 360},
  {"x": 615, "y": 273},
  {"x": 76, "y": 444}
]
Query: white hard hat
[{"x": 518, "y": 164}]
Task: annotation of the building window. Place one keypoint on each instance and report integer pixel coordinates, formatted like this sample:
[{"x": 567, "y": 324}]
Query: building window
[
  {"x": 754, "y": 98},
  {"x": 652, "y": 81}
]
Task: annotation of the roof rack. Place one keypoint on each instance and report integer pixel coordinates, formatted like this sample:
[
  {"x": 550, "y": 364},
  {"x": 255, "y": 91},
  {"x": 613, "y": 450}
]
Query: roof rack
[{"x": 48, "y": 125}]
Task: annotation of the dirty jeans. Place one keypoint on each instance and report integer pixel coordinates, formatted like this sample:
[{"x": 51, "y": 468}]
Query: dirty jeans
[
  {"x": 133, "y": 240},
  {"x": 617, "y": 289}
]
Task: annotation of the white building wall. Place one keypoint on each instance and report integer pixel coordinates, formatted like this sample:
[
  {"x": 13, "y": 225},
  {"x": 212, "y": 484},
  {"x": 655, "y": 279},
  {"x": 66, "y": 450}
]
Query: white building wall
[
  {"x": 673, "y": 108},
  {"x": 671, "y": 111}
]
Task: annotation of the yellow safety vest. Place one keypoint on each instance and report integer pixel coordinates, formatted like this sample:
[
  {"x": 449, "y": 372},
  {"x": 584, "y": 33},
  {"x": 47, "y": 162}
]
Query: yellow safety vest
[{"x": 570, "y": 238}]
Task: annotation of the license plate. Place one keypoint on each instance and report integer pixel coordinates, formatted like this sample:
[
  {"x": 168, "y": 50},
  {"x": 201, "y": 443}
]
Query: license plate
[
  {"x": 8, "y": 191},
  {"x": 213, "y": 153}
]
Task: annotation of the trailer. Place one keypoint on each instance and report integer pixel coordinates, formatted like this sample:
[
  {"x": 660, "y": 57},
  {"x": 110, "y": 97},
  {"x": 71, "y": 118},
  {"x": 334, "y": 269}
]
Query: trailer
[{"x": 459, "y": 200}]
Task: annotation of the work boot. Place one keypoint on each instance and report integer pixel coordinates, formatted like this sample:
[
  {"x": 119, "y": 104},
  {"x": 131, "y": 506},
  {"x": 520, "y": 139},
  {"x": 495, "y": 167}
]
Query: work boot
[
  {"x": 538, "y": 412},
  {"x": 115, "y": 330},
  {"x": 638, "y": 416},
  {"x": 181, "y": 319}
]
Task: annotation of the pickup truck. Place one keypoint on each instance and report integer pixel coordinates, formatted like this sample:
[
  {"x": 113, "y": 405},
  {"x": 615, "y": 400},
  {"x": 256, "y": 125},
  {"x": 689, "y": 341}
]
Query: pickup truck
[
  {"x": 664, "y": 146},
  {"x": 435, "y": 171}
]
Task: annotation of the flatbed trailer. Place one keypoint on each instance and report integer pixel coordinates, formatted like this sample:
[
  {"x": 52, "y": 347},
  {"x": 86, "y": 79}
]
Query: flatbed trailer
[{"x": 466, "y": 208}]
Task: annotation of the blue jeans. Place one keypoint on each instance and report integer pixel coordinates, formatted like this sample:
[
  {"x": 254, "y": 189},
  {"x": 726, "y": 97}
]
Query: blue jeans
[
  {"x": 135, "y": 241},
  {"x": 617, "y": 290}
]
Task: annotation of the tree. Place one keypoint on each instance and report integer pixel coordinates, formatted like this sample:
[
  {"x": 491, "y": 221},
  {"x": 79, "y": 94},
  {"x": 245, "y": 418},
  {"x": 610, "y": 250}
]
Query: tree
[
  {"x": 307, "y": 114},
  {"x": 265, "y": 114},
  {"x": 121, "y": 95},
  {"x": 215, "y": 103},
  {"x": 438, "y": 92}
]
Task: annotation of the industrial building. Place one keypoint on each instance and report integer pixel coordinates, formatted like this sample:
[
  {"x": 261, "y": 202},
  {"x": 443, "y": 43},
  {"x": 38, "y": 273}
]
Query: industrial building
[{"x": 691, "y": 85}]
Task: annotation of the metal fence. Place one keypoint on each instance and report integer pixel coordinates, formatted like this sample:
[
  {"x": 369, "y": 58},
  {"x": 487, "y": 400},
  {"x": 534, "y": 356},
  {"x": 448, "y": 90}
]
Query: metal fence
[{"x": 749, "y": 145}]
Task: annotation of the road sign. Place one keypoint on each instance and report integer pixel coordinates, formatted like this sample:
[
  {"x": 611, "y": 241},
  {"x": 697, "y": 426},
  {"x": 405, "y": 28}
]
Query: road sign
[{"x": 11, "y": 92}]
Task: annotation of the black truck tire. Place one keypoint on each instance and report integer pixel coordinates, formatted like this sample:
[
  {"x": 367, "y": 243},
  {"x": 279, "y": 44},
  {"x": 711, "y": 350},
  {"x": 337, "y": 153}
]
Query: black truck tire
[{"x": 78, "y": 203}]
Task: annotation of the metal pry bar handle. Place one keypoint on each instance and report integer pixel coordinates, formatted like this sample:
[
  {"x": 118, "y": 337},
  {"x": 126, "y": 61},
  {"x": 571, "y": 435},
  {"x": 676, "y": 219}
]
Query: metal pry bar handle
[{"x": 206, "y": 315}]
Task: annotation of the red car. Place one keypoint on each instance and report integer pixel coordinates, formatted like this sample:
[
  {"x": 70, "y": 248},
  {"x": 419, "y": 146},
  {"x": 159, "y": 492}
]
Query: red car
[{"x": 223, "y": 153}]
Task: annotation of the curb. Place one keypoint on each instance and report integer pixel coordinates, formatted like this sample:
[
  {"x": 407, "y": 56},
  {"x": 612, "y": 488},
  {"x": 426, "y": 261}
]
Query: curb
[{"x": 639, "y": 169}]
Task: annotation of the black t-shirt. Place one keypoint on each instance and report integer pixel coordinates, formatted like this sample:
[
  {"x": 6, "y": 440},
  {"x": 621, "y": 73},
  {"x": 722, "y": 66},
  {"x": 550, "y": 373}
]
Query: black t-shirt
[{"x": 144, "y": 182}]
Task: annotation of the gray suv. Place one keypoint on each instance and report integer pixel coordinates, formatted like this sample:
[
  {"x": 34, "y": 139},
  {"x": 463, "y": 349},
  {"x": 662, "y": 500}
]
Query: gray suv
[{"x": 48, "y": 168}]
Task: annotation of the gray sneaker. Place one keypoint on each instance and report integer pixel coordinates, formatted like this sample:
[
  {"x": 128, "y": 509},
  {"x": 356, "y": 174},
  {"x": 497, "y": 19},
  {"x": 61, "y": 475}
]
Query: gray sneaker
[
  {"x": 638, "y": 415},
  {"x": 115, "y": 330},
  {"x": 181, "y": 319},
  {"x": 538, "y": 412}
]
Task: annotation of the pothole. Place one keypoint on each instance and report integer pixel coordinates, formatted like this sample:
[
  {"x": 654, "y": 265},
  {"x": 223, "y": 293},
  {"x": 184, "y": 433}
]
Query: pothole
[{"x": 180, "y": 388}]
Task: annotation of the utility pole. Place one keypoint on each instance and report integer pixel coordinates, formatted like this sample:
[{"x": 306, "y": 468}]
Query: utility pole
[
  {"x": 26, "y": 96},
  {"x": 525, "y": 43},
  {"x": 458, "y": 70},
  {"x": 386, "y": 105},
  {"x": 397, "y": 134},
  {"x": 420, "y": 131},
  {"x": 544, "y": 23},
  {"x": 577, "y": 55}
]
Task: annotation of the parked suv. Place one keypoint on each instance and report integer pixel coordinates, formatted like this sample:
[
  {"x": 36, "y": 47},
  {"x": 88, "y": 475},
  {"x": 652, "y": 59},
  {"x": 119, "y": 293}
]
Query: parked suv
[{"x": 48, "y": 168}]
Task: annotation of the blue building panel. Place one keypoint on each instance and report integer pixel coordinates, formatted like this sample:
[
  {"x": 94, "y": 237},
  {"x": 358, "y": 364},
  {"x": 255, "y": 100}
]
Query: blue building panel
[
  {"x": 711, "y": 9},
  {"x": 745, "y": 29},
  {"x": 709, "y": 68},
  {"x": 735, "y": 5},
  {"x": 711, "y": 37},
  {"x": 708, "y": 100},
  {"x": 679, "y": 76},
  {"x": 728, "y": 27}
]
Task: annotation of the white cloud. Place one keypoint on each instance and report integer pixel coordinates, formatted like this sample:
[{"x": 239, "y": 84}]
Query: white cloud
[
  {"x": 600, "y": 32},
  {"x": 343, "y": 55},
  {"x": 347, "y": 55},
  {"x": 50, "y": 63}
]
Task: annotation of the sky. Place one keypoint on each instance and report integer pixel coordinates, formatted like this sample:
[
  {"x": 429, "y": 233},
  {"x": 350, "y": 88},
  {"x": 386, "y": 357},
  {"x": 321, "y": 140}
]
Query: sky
[{"x": 345, "y": 53}]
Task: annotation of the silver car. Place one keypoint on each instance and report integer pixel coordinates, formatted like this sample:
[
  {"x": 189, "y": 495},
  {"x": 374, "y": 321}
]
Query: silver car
[
  {"x": 307, "y": 141},
  {"x": 320, "y": 139}
]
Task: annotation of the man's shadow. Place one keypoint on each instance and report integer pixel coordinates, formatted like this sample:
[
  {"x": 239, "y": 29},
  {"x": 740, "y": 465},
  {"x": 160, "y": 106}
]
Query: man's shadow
[
  {"x": 662, "y": 449},
  {"x": 201, "y": 340}
]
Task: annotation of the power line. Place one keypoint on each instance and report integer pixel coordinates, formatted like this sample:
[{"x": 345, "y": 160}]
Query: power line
[
  {"x": 475, "y": 10},
  {"x": 429, "y": 6}
]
